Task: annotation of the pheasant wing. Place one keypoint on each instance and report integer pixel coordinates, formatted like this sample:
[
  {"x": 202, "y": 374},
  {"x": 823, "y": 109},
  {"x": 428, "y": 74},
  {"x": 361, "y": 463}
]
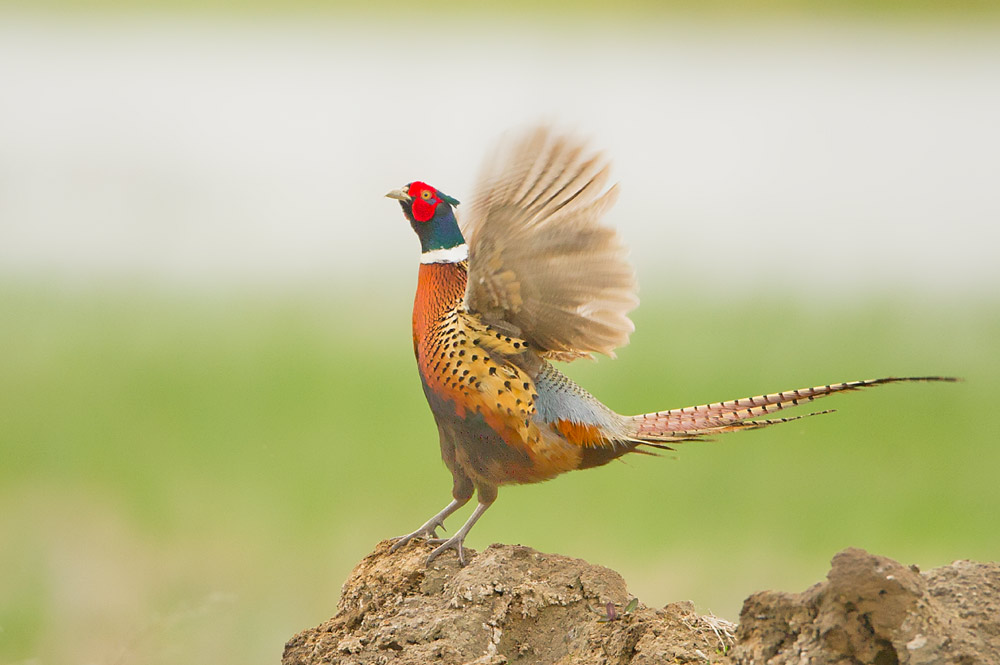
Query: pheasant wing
[{"x": 541, "y": 265}]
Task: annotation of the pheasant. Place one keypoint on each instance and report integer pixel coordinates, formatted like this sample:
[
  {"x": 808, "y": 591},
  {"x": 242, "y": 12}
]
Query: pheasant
[{"x": 532, "y": 276}]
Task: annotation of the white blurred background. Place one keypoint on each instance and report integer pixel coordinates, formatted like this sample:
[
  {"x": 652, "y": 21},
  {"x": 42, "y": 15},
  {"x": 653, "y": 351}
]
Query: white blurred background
[{"x": 819, "y": 157}]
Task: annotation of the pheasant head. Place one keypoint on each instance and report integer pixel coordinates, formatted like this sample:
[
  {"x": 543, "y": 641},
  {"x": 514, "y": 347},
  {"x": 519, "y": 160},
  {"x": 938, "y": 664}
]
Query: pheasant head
[{"x": 431, "y": 214}]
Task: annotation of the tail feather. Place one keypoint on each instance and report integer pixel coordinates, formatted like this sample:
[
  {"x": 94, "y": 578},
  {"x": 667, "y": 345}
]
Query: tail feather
[{"x": 694, "y": 422}]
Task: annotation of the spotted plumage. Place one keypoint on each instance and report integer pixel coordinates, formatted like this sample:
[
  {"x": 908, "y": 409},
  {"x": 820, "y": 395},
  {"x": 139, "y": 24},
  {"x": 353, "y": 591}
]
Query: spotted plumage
[{"x": 531, "y": 277}]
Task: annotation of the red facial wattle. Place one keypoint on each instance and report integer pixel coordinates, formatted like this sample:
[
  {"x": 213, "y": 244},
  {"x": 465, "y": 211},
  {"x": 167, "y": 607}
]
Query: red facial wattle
[{"x": 425, "y": 201}]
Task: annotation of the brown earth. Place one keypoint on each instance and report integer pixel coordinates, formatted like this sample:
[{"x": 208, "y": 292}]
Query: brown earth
[{"x": 512, "y": 604}]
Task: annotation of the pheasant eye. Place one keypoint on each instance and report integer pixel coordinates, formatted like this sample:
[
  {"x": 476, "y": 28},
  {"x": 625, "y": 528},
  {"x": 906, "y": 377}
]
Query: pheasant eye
[{"x": 426, "y": 195}]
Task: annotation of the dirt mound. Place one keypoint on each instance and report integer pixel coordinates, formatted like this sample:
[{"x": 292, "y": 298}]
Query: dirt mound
[
  {"x": 871, "y": 609},
  {"x": 512, "y": 604}
]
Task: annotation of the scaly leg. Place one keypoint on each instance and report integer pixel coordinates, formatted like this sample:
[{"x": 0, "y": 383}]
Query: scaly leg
[
  {"x": 429, "y": 529},
  {"x": 455, "y": 542},
  {"x": 487, "y": 495}
]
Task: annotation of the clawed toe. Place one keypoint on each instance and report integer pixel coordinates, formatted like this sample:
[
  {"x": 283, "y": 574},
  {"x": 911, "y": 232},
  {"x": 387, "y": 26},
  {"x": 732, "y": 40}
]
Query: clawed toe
[
  {"x": 430, "y": 527},
  {"x": 401, "y": 541},
  {"x": 453, "y": 543},
  {"x": 429, "y": 531}
]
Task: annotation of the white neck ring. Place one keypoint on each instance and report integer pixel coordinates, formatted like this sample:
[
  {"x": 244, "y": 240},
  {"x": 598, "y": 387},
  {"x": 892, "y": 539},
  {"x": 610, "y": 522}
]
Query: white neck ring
[{"x": 455, "y": 254}]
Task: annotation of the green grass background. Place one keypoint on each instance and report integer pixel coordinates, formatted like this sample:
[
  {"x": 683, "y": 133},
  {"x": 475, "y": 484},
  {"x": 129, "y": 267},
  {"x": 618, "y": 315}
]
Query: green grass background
[
  {"x": 627, "y": 9},
  {"x": 191, "y": 478}
]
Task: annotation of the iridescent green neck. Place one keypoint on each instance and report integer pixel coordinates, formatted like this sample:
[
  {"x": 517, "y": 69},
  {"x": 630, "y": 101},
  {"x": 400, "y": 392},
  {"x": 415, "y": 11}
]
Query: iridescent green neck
[{"x": 441, "y": 232}]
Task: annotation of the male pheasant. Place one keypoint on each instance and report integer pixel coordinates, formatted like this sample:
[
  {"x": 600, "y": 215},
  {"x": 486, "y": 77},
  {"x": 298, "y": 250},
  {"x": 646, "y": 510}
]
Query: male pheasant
[{"x": 529, "y": 277}]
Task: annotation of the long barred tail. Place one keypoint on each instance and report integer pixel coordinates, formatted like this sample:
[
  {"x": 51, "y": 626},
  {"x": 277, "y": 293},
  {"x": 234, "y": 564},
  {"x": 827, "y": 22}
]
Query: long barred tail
[{"x": 694, "y": 422}]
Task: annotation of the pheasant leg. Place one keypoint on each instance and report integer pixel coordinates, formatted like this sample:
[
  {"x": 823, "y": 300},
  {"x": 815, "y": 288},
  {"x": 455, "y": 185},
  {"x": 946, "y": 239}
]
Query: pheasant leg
[
  {"x": 456, "y": 541},
  {"x": 429, "y": 529}
]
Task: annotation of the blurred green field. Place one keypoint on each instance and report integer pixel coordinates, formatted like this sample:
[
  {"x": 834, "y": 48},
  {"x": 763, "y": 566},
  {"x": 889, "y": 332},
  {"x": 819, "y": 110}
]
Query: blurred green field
[
  {"x": 867, "y": 8},
  {"x": 190, "y": 478}
]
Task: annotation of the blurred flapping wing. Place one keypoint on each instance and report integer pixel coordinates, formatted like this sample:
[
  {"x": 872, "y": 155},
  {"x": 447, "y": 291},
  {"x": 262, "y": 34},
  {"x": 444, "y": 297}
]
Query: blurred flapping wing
[{"x": 541, "y": 266}]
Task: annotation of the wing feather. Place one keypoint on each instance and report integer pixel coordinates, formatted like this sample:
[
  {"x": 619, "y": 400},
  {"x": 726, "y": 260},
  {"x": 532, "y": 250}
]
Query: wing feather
[{"x": 540, "y": 262}]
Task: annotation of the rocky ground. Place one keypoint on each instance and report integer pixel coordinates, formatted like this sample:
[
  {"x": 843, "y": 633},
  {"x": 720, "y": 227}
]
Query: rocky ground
[{"x": 512, "y": 604}]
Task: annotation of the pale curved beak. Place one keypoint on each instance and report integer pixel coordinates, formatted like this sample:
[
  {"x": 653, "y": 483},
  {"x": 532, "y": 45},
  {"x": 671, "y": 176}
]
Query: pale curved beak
[{"x": 399, "y": 195}]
